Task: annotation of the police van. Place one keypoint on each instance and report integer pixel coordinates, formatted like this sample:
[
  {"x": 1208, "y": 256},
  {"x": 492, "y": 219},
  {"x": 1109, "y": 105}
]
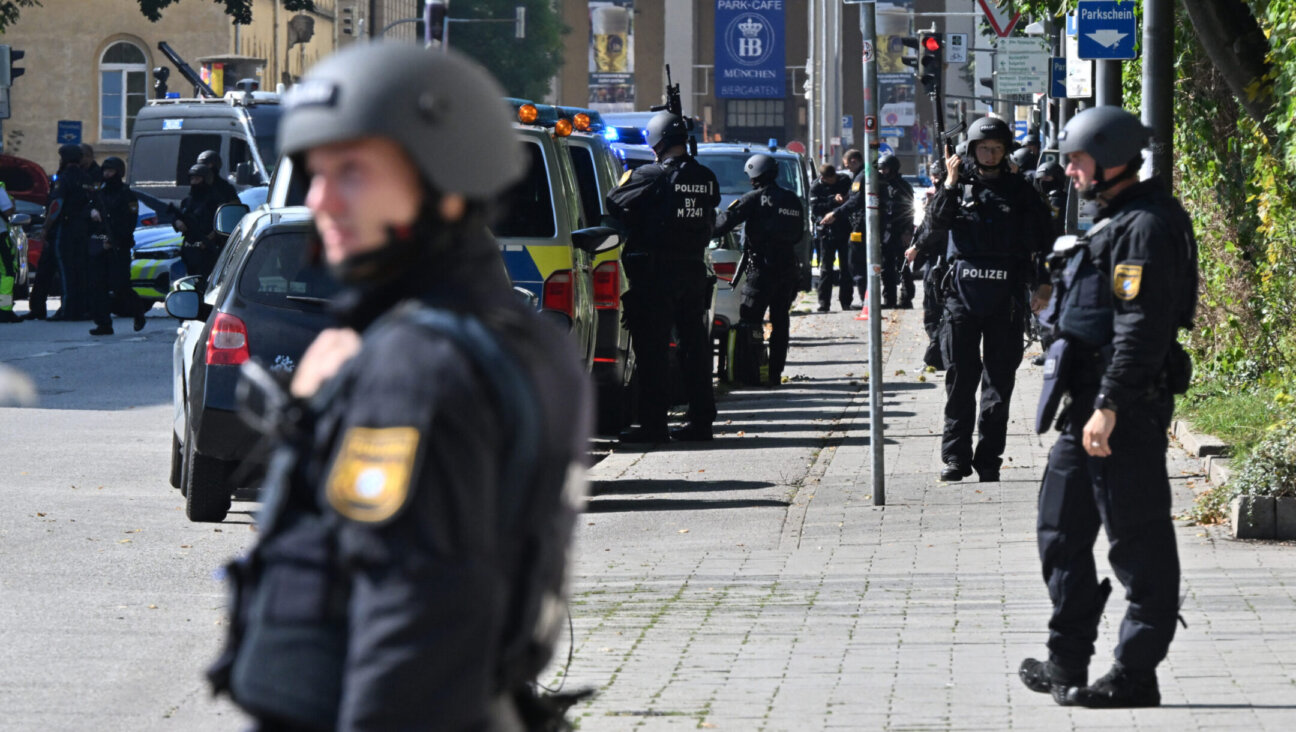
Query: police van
[{"x": 169, "y": 134}]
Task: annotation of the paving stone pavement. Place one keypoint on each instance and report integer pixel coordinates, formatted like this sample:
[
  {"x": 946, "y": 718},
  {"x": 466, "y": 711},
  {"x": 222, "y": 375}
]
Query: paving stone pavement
[{"x": 751, "y": 584}]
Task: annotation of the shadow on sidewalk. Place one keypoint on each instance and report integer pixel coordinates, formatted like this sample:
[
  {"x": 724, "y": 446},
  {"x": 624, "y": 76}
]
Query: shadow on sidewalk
[
  {"x": 618, "y": 505},
  {"x": 661, "y": 485}
]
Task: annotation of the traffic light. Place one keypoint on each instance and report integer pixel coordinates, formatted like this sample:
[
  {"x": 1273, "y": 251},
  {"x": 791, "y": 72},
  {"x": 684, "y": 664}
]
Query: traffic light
[
  {"x": 932, "y": 62},
  {"x": 9, "y": 72},
  {"x": 916, "y": 45}
]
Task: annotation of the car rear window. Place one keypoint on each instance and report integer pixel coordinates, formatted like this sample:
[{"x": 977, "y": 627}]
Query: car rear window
[
  {"x": 528, "y": 205},
  {"x": 728, "y": 168},
  {"x": 280, "y": 273},
  {"x": 587, "y": 182}
]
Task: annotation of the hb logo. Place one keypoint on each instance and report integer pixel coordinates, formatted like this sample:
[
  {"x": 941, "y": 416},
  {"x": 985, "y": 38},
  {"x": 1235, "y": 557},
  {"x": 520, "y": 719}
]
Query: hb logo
[
  {"x": 750, "y": 44},
  {"x": 750, "y": 39}
]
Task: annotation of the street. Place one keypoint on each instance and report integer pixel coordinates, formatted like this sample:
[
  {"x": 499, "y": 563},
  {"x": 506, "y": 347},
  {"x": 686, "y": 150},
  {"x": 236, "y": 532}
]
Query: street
[{"x": 747, "y": 583}]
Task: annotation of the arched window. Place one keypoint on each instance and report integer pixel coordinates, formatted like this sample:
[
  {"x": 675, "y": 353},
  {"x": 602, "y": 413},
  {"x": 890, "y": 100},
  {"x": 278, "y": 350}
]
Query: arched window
[{"x": 123, "y": 84}]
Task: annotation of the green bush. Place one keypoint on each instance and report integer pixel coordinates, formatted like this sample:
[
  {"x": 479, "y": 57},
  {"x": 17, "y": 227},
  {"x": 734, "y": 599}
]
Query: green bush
[{"x": 1270, "y": 469}]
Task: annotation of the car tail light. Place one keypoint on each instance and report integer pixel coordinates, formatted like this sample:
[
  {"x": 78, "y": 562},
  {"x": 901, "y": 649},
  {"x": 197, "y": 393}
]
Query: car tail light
[
  {"x": 227, "y": 343},
  {"x": 150, "y": 221},
  {"x": 725, "y": 270},
  {"x": 560, "y": 293},
  {"x": 607, "y": 286}
]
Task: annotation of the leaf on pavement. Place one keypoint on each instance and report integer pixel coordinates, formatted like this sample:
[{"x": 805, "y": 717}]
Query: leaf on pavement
[{"x": 683, "y": 531}]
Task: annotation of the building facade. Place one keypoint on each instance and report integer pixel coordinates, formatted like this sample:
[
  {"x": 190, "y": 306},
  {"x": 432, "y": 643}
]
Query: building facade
[{"x": 96, "y": 68}]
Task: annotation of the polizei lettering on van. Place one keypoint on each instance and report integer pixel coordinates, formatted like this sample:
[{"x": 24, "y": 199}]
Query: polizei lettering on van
[{"x": 972, "y": 273}]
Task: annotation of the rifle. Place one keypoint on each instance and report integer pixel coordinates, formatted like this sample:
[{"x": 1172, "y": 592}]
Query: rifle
[
  {"x": 947, "y": 137},
  {"x": 743, "y": 263},
  {"x": 675, "y": 106}
]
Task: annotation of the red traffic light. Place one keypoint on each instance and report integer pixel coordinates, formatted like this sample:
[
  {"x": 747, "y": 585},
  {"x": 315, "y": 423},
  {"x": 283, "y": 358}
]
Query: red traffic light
[{"x": 932, "y": 43}]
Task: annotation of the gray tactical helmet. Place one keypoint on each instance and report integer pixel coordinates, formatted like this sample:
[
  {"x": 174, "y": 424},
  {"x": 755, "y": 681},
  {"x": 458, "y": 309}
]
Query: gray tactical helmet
[
  {"x": 1109, "y": 134},
  {"x": 1021, "y": 157},
  {"x": 760, "y": 165},
  {"x": 445, "y": 111},
  {"x": 210, "y": 157},
  {"x": 668, "y": 128},
  {"x": 888, "y": 164},
  {"x": 198, "y": 170},
  {"x": 989, "y": 128}
]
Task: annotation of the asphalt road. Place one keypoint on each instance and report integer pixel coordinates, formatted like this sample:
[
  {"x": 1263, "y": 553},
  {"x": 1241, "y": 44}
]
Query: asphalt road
[{"x": 110, "y": 606}]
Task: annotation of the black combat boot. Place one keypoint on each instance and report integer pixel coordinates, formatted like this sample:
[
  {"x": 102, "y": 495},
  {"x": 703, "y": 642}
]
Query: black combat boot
[
  {"x": 691, "y": 432},
  {"x": 955, "y": 471},
  {"x": 7, "y": 316},
  {"x": 1047, "y": 677},
  {"x": 1121, "y": 688},
  {"x": 102, "y": 330}
]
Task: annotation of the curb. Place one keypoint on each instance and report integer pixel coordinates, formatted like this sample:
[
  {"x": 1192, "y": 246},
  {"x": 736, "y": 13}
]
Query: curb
[{"x": 1214, "y": 452}]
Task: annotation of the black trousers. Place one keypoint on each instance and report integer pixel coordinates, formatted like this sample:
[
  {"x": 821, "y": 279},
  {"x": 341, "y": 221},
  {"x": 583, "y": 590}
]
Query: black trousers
[
  {"x": 110, "y": 287},
  {"x": 199, "y": 259},
  {"x": 1128, "y": 494},
  {"x": 775, "y": 292},
  {"x": 859, "y": 266},
  {"x": 46, "y": 267},
  {"x": 979, "y": 351},
  {"x": 676, "y": 296},
  {"x": 933, "y": 314},
  {"x": 73, "y": 263},
  {"x": 830, "y": 249}
]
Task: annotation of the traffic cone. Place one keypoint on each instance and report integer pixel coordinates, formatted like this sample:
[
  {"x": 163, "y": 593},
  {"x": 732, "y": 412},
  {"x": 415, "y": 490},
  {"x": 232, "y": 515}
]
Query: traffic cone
[{"x": 864, "y": 313}]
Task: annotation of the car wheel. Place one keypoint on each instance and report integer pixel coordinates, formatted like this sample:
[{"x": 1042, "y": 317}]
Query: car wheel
[
  {"x": 206, "y": 485},
  {"x": 177, "y": 462}
]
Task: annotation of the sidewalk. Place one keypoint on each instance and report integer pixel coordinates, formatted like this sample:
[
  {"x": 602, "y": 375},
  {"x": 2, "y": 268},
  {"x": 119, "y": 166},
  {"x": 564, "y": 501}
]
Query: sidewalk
[{"x": 750, "y": 584}]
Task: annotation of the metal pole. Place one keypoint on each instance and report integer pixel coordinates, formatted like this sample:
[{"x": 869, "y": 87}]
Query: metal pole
[
  {"x": 1107, "y": 85},
  {"x": 868, "y": 28},
  {"x": 1158, "y": 86},
  {"x": 813, "y": 63}
]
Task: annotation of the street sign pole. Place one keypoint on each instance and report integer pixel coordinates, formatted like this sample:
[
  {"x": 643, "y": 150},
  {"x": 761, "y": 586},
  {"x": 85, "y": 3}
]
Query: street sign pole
[
  {"x": 1158, "y": 85},
  {"x": 873, "y": 228}
]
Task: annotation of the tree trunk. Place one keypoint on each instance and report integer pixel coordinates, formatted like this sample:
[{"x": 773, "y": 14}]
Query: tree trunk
[{"x": 1237, "y": 46}]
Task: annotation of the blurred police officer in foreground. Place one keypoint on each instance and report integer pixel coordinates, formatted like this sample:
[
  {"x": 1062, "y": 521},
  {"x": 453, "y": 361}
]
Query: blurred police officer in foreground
[
  {"x": 825, "y": 193},
  {"x": 851, "y": 208},
  {"x": 1121, "y": 295},
  {"x": 109, "y": 280},
  {"x": 999, "y": 233},
  {"x": 667, "y": 208},
  {"x": 774, "y": 222},
  {"x": 895, "y": 204},
  {"x": 224, "y": 191},
  {"x": 196, "y": 221},
  {"x": 411, "y": 562}
]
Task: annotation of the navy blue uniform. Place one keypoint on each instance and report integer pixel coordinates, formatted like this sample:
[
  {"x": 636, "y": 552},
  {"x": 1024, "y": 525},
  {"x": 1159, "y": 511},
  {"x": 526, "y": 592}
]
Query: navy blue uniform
[
  {"x": 774, "y": 222},
  {"x": 932, "y": 243},
  {"x": 1118, "y": 326},
  {"x": 110, "y": 287},
  {"x": 405, "y": 581},
  {"x": 202, "y": 245},
  {"x": 67, "y": 243},
  {"x": 999, "y": 233},
  {"x": 895, "y": 203},
  {"x": 833, "y": 241},
  {"x": 668, "y": 210}
]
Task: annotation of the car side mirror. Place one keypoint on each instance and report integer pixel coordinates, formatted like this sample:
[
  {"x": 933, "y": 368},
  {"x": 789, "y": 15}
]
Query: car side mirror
[
  {"x": 20, "y": 220},
  {"x": 228, "y": 217},
  {"x": 186, "y": 305},
  {"x": 596, "y": 239},
  {"x": 243, "y": 174}
]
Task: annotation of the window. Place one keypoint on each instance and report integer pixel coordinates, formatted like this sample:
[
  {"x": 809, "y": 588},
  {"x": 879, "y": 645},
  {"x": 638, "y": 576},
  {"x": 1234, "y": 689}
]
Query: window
[
  {"x": 587, "y": 180},
  {"x": 754, "y": 113},
  {"x": 166, "y": 158},
  {"x": 123, "y": 82},
  {"x": 281, "y": 272},
  {"x": 528, "y": 208}
]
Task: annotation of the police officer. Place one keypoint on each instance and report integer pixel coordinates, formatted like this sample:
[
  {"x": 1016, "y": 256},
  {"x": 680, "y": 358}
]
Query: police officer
[
  {"x": 223, "y": 189},
  {"x": 668, "y": 209},
  {"x": 1051, "y": 181},
  {"x": 67, "y": 228},
  {"x": 196, "y": 220},
  {"x": 774, "y": 224},
  {"x": 851, "y": 209},
  {"x": 1121, "y": 297},
  {"x": 410, "y": 562},
  {"x": 94, "y": 173},
  {"x": 1030, "y": 158},
  {"x": 999, "y": 233},
  {"x": 8, "y": 260},
  {"x": 825, "y": 193},
  {"x": 110, "y": 286},
  {"x": 895, "y": 203},
  {"x": 932, "y": 239}
]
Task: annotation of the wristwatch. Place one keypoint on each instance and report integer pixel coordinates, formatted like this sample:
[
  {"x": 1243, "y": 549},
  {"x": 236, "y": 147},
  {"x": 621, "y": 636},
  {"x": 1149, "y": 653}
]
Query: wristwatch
[{"x": 1104, "y": 401}]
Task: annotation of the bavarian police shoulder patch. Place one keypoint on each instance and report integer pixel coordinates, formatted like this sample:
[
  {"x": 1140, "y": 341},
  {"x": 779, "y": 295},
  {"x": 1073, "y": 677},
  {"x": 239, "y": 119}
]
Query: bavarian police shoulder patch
[
  {"x": 1126, "y": 279},
  {"x": 370, "y": 477},
  {"x": 624, "y": 177},
  {"x": 855, "y": 187}
]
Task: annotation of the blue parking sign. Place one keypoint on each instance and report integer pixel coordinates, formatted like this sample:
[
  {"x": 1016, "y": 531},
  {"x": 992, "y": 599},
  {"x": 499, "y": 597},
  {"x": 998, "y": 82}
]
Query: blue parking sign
[
  {"x": 1057, "y": 87},
  {"x": 1106, "y": 29},
  {"x": 1019, "y": 130},
  {"x": 69, "y": 132}
]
